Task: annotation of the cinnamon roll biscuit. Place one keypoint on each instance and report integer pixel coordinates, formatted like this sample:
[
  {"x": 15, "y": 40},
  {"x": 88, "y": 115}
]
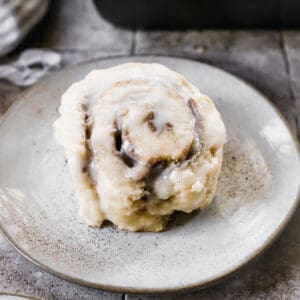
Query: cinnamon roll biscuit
[{"x": 141, "y": 142}]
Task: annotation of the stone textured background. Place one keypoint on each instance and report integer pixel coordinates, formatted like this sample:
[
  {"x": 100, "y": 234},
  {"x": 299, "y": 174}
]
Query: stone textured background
[{"x": 270, "y": 60}]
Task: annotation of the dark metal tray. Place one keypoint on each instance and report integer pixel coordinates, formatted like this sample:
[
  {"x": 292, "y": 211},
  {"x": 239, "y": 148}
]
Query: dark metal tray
[{"x": 197, "y": 14}]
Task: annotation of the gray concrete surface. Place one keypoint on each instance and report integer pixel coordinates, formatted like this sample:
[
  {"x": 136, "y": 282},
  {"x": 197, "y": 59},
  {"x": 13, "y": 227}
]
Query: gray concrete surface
[{"x": 270, "y": 60}]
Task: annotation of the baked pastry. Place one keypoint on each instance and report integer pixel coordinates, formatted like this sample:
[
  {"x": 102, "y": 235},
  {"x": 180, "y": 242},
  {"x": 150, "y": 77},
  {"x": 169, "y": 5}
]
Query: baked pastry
[{"x": 141, "y": 142}]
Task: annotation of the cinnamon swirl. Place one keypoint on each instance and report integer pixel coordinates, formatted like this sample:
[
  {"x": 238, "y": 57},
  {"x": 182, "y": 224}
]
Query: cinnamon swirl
[{"x": 141, "y": 142}]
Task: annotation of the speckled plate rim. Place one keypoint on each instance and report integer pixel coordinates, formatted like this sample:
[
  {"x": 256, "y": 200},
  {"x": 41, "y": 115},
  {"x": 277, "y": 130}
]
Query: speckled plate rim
[
  {"x": 26, "y": 297},
  {"x": 195, "y": 286}
]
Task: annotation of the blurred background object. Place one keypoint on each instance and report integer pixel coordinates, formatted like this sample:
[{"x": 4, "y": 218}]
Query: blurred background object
[
  {"x": 17, "y": 18},
  {"x": 199, "y": 14},
  {"x": 30, "y": 67}
]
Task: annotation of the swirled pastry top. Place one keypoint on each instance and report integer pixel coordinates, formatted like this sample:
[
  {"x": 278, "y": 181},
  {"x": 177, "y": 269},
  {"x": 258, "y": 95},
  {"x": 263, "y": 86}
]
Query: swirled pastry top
[{"x": 141, "y": 142}]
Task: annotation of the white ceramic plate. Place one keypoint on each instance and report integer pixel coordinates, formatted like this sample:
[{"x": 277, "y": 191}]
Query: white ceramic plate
[
  {"x": 256, "y": 195},
  {"x": 11, "y": 296}
]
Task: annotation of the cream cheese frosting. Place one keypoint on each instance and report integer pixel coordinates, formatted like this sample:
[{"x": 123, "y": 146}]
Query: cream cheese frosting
[{"x": 141, "y": 142}]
